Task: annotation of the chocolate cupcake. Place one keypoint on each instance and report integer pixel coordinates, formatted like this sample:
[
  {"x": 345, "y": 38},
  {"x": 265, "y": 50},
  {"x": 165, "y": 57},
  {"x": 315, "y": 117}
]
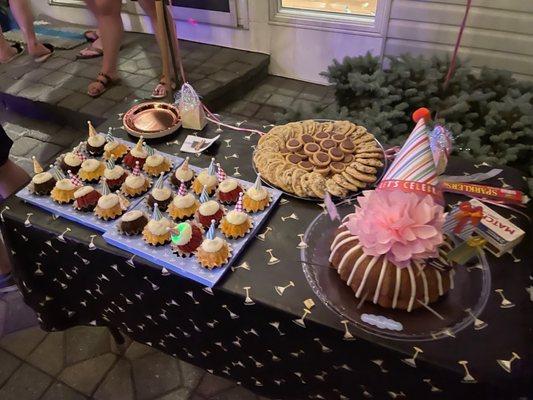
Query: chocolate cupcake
[
  {"x": 43, "y": 182},
  {"x": 115, "y": 174},
  {"x": 183, "y": 174},
  {"x": 160, "y": 195},
  {"x": 133, "y": 222},
  {"x": 95, "y": 142},
  {"x": 71, "y": 162}
]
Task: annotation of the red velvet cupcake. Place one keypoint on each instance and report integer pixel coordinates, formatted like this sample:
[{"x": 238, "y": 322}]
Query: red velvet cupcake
[
  {"x": 86, "y": 198},
  {"x": 186, "y": 238},
  {"x": 228, "y": 191},
  {"x": 138, "y": 153}
]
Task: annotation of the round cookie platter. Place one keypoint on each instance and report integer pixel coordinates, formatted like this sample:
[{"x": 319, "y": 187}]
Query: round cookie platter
[
  {"x": 306, "y": 159},
  {"x": 455, "y": 311}
]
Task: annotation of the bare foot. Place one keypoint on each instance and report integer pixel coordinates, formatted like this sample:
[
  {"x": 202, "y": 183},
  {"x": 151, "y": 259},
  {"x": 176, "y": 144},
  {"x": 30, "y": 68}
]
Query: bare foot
[
  {"x": 7, "y": 53},
  {"x": 95, "y": 49},
  {"x": 38, "y": 50}
]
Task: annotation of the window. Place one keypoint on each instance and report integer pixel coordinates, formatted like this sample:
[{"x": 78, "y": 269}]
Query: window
[{"x": 354, "y": 7}]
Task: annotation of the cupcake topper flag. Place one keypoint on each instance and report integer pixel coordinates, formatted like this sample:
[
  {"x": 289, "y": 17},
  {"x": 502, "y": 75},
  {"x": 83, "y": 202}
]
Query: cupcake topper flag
[
  {"x": 136, "y": 169},
  {"x": 221, "y": 174},
  {"x": 36, "y": 166},
  {"x": 105, "y": 187},
  {"x": 156, "y": 215},
  {"x": 211, "y": 169},
  {"x": 159, "y": 183},
  {"x": 211, "y": 232},
  {"x": 92, "y": 131},
  {"x": 238, "y": 206},
  {"x": 182, "y": 191},
  {"x": 204, "y": 197},
  {"x": 58, "y": 174},
  {"x": 402, "y": 219},
  {"x": 74, "y": 179}
]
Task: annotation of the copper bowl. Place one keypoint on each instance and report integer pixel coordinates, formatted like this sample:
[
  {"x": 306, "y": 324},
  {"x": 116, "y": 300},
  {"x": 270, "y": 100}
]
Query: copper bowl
[{"x": 151, "y": 119}]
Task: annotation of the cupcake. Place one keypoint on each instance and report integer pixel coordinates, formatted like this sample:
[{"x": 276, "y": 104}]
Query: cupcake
[
  {"x": 114, "y": 149},
  {"x": 209, "y": 210},
  {"x": 95, "y": 142},
  {"x": 155, "y": 163},
  {"x": 133, "y": 222},
  {"x": 91, "y": 170},
  {"x": 207, "y": 179},
  {"x": 86, "y": 198},
  {"x": 183, "y": 174},
  {"x": 160, "y": 194},
  {"x": 214, "y": 251},
  {"x": 114, "y": 174},
  {"x": 110, "y": 205},
  {"x": 71, "y": 161},
  {"x": 184, "y": 205},
  {"x": 43, "y": 182},
  {"x": 228, "y": 191},
  {"x": 136, "y": 183},
  {"x": 186, "y": 237},
  {"x": 63, "y": 191},
  {"x": 256, "y": 198},
  {"x": 138, "y": 153},
  {"x": 157, "y": 230},
  {"x": 236, "y": 223}
]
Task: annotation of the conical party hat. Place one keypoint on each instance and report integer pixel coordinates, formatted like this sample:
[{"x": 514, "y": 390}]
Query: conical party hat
[
  {"x": 110, "y": 163},
  {"x": 211, "y": 169},
  {"x": 36, "y": 166},
  {"x": 58, "y": 174},
  {"x": 211, "y": 232},
  {"x": 159, "y": 183},
  {"x": 109, "y": 137},
  {"x": 204, "y": 197},
  {"x": 221, "y": 174},
  {"x": 156, "y": 215},
  {"x": 257, "y": 183},
  {"x": 149, "y": 150},
  {"x": 137, "y": 169},
  {"x": 139, "y": 145},
  {"x": 74, "y": 179},
  {"x": 105, "y": 187},
  {"x": 238, "y": 206},
  {"x": 182, "y": 191},
  {"x": 185, "y": 165},
  {"x": 414, "y": 169},
  {"x": 92, "y": 131}
]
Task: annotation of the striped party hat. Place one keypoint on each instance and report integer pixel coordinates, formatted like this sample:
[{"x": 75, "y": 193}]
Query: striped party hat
[
  {"x": 105, "y": 187},
  {"x": 36, "y": 166},
  {"x": 221, "y": 174},
  {"x": 414, "y": 169},
  {"x": 149, "y": 150},
  {"x": 211, "y": 232},
  {"x": 159, "y": 183},
  {"x": 204, "y": 197},
  {"x": 156, "y": 214},
  {"x": 58, "y": 173},
  {"x": 211, "y": 169},
  {"x": 109, "y": 137},
  {"x": 74, "y": 179},
  {"x": 110, "y": 163},
  {"x": 137, "y": 169},
  {"x": 182, "y": 191},
  {"x": 238, "y": 206}
]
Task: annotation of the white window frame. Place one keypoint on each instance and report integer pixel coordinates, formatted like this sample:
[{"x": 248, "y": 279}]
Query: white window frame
[{"x": 334, "y": 22}]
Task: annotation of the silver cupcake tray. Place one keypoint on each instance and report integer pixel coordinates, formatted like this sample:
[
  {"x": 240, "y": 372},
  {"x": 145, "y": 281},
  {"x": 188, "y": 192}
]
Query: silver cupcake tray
[
  {"x": 68, "y": 211},
  {"x": 188, "y": 267}
]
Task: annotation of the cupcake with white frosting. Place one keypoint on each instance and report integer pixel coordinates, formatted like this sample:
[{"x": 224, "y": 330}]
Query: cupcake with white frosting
[
  {"x": 214, "y": 251},
  {"x": 184, "y": 205},
  {"x": 256, "y": 198},
  {"x": 43, "y": 181},
  {"x": 86, "y": 198},
  {"x": 183, "y": 174},
  {"x": 135, "y": 184},
  {"x": 114, "y": 174},
  {"x": 95, "y": 142},
  {"x": 114, "y": 149},
  {"x": 157, "y": 230},
  {"x": 137, "y": 154},
  {"x": 132, "y": 222},
  {"x": 236, "y": 223},
  {"x": 208, "y": 211},
  {"x": 110, "y": 205},
  {"x": 91, "y": 170},
  {"x": 70, "y": 161},
  {"x": 186, "y": 237},
  {"x": 155, "y": 163},
  {"x": 63, "y": 191},
  {"x": 228, "y": 188},
  {"x": 206, "y": 179},
  {"x": 160, "y": 194}
]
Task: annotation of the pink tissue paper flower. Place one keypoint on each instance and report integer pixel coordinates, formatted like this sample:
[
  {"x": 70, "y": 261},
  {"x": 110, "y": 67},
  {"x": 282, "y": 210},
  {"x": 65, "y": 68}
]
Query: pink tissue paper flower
[{"x": 403, "y": 226}]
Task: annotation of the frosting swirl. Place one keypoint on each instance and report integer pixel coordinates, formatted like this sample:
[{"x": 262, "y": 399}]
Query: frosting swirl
[
  {"x": 135, "y": 181},
  {"x": 236, "y": 217},
  {"x": 227, "y": 185},
  {"x": 96, "y": 140},
  {"x": 207, "y": 180},
  {"x": 90, "y": 165},
  {"x": 161, "y": 194},
  {"x": 72, "y": 159},
  {"x": 65, "y": 184},
  {"x": 159, "y": 227},
  {"x": 42, "y": 177},
  {"x": 209, "y": 208},
  {"x": 108, "y": 201},
  {"x": 114, "y": 173},
  {"x": 212, "y": 246},
  {"x": 257, "y": 194}
]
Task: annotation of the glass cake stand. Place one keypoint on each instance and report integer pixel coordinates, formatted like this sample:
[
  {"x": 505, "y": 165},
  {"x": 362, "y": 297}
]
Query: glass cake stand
[{"x": 452, "y": 313}]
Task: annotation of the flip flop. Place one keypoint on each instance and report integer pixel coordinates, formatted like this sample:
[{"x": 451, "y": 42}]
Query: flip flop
[
  {"x": 163, "y": 92},
  {"x": 97, "y": 53},
  {"x": 19, "y": 48},
  {"x": 88, "y": 37},
  {"x": 106, "y": 81},
  {"x": 44, "y": 57}
]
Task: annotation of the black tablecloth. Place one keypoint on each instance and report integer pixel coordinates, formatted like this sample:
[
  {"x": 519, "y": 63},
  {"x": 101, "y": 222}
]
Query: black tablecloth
[{"x": 256, "y": 341}]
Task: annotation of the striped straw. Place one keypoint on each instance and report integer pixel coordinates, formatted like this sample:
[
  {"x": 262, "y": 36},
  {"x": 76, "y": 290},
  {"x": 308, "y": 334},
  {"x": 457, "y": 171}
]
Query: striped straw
[
  {"x": 159, "y": 183},
  {"x": 105, "y": 187},
  {"x": 182, "y": 191},
  {"x": 204, "y": 197},
  {"x": 211, "y": 169},
  {"x": 239, "y": 207},
  {"x": 211, "y": 232},
  {"x": 221, "y": 174},
  {"x": 136, "y": 169},
  {"x": 257, "y": 184},
  {"x": 74, "y": 179},
  {"x": 58, "y": 174},
  {"x": 156, "y": 215}
]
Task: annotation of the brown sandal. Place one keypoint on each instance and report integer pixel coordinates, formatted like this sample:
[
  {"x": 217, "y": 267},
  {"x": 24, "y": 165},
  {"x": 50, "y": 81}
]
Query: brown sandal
[
  {"x": 105, "y": 81},
  {"x": 160, "y": 90}
]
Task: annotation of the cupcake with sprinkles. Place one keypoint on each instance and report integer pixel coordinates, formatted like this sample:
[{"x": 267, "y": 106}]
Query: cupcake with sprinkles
[
  {"x": 183, "y": 174},
  {"x": 114, "y": 149},
  {"x": 43, "y": 182},
  {"x": 236, "y": 223},
  {"x": 228, "y": 188},
  {"x": 209, "y": 210},
  {"x": 157, "y": 230},
  {"x": 184, "y": 205},
  {"x": 132, "y": 223},
  {"x": 63, "y": 191},
  {"x": 214, "y": 251},
  {"x": 156, "y": 164},
  {"x": 91, "y": 170},
  {"x": 186, "y": 237},
  {"x": 135, "y": 184},
  {"x": 137, "y": 154},
  {"x": 110, "y": 205},
  {"x": 160, "y": 194},
  {"x": 95, "y": 142},
  {"x": 206, "y": 179},
  {"x": 114, "y": 174},
  {"x": 256, "y": 198},
  {"x": 86, "y": 197}
]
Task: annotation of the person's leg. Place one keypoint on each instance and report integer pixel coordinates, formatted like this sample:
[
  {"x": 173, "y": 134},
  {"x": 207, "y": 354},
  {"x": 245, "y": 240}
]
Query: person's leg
[
  {"x": 107, "y": 13},
  {"x": 6, "y": 50},
  {"x": 23, "y": 15}
]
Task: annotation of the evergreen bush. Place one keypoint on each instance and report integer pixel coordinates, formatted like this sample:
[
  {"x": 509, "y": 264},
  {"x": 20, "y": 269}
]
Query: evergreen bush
[{"x": 489, "y": 112}]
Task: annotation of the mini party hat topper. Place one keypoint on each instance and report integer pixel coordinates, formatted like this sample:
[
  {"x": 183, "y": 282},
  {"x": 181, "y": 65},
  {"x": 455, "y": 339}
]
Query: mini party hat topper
[
  {"x": 211, "y": 232},
  {"x": 156, "y": 214},
  {"x": 257, "y": 184},
  {"x": 211, "y": 169},
  {"x": 149, "y": 150},
  {"x": 79, "y": 152},
  {"x": 185, "y": 165},
  {"x": 105, "y": 187},
  {"x": 139, "y": 145},
  {"x": 92, "y": 131},
  {"x": 402, "y": 219},
  {"x": 221, "y": 174},
  {"x": 58, "y": 174},
  {"x": 182, "y": 191},
  {"x": 204, "y": 197},
  {"x": 137, "y": 169},
  {"x": 238, "y": 206},
  {"x": 159, "y": 183},
  {"x": 109, "y": 137},
  {"x": 36, "y": 166},
  {"x": 74, "y": 179},
  {"x": 110, "y": 163}
]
